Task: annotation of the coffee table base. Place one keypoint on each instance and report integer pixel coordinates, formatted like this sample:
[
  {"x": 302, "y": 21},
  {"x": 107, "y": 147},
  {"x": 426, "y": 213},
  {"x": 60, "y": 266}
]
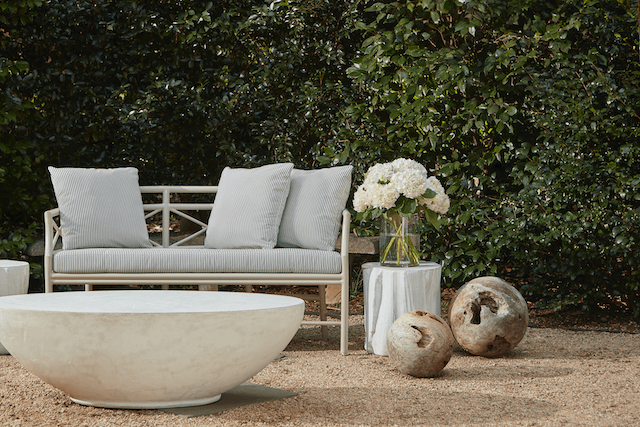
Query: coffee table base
[{"x": 149, "y": 405}]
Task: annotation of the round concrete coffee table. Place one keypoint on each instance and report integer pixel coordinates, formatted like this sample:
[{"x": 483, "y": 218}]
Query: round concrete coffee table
[{"x": 147, "y": 349}]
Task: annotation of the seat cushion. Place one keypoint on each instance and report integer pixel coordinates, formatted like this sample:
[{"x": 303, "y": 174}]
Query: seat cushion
[
  {"x": 248, "y": 207},
  {"x": 100, "y": 208},
  {"x": 196, "y": 259},
  {"x": 313, "y": 212}
]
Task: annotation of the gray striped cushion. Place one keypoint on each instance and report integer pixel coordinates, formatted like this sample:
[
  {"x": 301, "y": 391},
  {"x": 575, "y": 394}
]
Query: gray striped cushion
[
  {"x": 100, "y": 208},
  {"x": 312, "y": 215},
  {"x": 196, "y": 260},
  {"x": 248, "y": 207}
]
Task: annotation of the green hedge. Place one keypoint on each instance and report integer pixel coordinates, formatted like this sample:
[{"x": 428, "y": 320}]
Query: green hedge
[
  {"x": 183, "y": 89},
  {"x": 529, "y": 109},
  {"x": 22, "y": 160},
  {"x": 526, "y": 110}
]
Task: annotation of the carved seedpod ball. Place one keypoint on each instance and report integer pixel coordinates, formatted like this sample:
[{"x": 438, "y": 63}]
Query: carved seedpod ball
[
  {"x": 488, "y": 316},
  {"x": 420, "y": 344}
]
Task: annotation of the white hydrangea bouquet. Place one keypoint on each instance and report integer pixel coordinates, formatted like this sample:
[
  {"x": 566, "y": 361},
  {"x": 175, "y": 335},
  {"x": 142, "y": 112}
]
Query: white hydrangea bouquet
[{"x": 396, "y": 191}]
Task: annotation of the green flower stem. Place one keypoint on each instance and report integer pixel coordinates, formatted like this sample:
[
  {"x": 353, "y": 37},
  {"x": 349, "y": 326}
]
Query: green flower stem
[{"x": 404, "y": 245}]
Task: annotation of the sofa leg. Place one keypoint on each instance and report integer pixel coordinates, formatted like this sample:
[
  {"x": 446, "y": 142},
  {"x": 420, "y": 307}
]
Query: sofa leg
[
  {"x": 88, "y": 287},
  {"x": 322, "y": 291},
  {"x": 248, "y": 288},
  {"x": 165, "y": 287}
]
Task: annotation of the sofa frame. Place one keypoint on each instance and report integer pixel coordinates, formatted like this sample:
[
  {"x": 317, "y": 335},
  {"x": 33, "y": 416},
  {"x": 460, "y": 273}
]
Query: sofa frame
[{"x": 205, "y": 281}]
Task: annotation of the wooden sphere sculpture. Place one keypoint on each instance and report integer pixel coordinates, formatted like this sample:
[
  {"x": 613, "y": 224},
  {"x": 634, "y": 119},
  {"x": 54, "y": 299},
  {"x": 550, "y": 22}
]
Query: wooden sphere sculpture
[
  {"x": 420, "y": 344},
  {"x": 488, "y": 316}
]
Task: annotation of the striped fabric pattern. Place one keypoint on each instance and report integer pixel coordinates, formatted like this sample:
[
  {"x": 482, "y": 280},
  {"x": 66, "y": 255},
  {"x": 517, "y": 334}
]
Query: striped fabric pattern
[
  {"x": 312, "y": 214},
  {"x": 248, "y": 207},
  {"x": 100, "y": 208},
  {"x": 196, "y": 259}
]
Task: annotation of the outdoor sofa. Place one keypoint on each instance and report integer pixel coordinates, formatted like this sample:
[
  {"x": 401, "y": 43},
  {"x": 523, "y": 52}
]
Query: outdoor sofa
[{"x": 273, "y": 225}]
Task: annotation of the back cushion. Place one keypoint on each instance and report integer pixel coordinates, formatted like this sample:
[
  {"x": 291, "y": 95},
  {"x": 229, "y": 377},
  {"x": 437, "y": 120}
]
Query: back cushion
[
  {"x": 100, "y": 208},
  {"x": 248, "y": 207},
  {"x": 313, "y": 211}
]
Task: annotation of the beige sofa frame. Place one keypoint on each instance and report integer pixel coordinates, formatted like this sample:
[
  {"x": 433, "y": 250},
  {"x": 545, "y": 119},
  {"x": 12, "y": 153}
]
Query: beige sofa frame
[{"x": 205, "y": 281}]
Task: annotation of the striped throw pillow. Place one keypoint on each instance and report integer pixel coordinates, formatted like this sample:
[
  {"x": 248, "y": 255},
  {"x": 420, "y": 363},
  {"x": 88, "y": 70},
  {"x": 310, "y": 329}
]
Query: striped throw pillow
[
  {"x": 312, "y": 214},
  {"x": 248, "y": 207},
  {"x": 100, "y": 208}
]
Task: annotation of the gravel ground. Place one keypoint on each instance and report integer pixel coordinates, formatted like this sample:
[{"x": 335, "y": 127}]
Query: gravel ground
[{"x": 555, "y": 377}]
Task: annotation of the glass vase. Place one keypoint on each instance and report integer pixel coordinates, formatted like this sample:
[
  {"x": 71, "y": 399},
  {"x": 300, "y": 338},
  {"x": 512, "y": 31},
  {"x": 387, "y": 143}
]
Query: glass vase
[{"x": 399, "y": 240}]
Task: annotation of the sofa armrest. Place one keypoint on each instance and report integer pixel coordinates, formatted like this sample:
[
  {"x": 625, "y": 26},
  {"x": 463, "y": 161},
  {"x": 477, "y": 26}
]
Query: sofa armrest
[
  {"x": 51, "y": 231},
  {"x": 346, "y": 226},
  {"x": 51, "y": 235},
  {"x": 346, "y": 271}
]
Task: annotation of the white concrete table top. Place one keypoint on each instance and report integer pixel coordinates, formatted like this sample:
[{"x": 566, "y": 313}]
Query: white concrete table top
[
  {"x": 147, "y": 349},
  {"x": 14, "y": 280},
  {"x": 149, "y": 302},
  {"x": 390, "y": 292}
]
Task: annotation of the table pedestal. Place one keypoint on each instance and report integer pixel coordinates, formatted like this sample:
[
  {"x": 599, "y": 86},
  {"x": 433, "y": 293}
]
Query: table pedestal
[
  {"x": 389, "y": 292},
  {"x": 14, "y": 280}
]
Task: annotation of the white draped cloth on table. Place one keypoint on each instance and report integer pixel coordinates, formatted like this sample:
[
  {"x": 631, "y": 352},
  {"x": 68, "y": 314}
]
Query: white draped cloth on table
[
  {"x": 389, "y": 292},
  {"x": 14, "y": 280}
]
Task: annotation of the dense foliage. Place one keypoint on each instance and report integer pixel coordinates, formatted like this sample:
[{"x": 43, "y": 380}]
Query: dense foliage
[
  {"x": 526, "y": 110},
  {"x": 182, "y": 89},
  {"x": 21, "y": 165},
  {"x": 530, "y": 108}
]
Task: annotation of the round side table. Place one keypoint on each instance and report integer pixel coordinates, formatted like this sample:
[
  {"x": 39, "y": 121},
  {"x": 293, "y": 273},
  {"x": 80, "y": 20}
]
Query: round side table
[
  {"x": 14, "y": 280},
  {"x": 389, "y": 292}
]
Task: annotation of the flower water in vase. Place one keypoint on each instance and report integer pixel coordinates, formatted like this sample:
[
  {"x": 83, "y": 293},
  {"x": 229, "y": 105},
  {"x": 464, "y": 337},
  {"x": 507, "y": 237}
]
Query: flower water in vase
[{"x": 399, "y": 240}]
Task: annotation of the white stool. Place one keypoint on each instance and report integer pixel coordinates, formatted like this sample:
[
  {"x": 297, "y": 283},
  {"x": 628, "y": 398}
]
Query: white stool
[
  {"x": 14, "y": 280},
  {"x": 389, "y": 292}
]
